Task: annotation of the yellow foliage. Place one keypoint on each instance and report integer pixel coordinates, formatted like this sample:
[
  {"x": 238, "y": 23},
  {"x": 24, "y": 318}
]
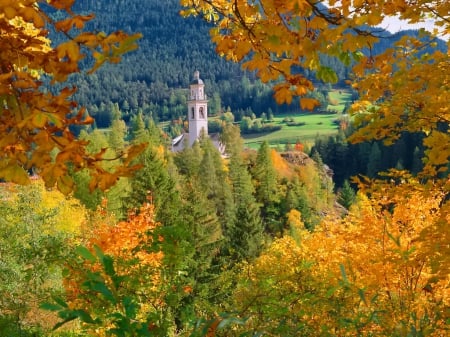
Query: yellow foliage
[
  {"x": 390, "y": 256},
  {"x": 71, "y": 214}
]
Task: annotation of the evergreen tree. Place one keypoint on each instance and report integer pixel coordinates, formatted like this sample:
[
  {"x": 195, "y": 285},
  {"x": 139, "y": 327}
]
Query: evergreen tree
[
  {"x": 154, "y": 182},
  {"x": 346, "y": 196},
  {"x": 139, "y": 133},
  {"x": 266, "y": 189},
  {"x": 297, "y": 198},
  {"x": 245, "y": 237},
  {"x": 188, "y": 161},
  {"x": 316, "y": 156},
  {"x": 205, "y": 237},
  {"x": 374, "y": 163},
  {"x": 117, "y": 135},
  {"x": 212, "y": 179}
]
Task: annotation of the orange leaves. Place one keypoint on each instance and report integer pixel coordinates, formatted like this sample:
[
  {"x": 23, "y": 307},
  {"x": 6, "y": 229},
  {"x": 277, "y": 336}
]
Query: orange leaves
[
  {"x": 126, "y": 239},
  {"x": 77, "y": 21},
  {"x": 62, "y": 4},
  {"x": 117, "y": 274},
  {"x": 309, "y": 103},
  {"x": 38, "y": 121},
  {"x": 276, "y": 38},
  {"x": 69, "y": 50},
  {"x": 28, "y": 13}
]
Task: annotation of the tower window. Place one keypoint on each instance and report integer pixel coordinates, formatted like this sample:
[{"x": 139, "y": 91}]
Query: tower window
[
  {"x": 202, "y": 113},
  {"x": 192, "y": 113}
]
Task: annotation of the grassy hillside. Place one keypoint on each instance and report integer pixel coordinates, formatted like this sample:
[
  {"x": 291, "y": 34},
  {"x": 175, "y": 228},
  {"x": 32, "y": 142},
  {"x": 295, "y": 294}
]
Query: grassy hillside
[{"x": 304, "y": 127}]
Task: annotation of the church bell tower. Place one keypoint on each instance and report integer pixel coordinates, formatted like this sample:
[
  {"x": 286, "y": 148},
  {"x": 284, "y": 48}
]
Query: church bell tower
[{"x": 197, "y": 109}]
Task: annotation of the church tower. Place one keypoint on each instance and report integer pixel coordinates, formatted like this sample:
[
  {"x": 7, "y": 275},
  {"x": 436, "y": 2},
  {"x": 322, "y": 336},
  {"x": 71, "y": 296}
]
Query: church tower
[{"x": 197, "y": 109}]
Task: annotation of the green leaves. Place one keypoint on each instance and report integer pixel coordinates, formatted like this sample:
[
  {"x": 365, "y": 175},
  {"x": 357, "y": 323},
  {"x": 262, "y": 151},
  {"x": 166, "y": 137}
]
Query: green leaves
[
  {"x": 327, "y": 75},
  {"x": 109, "y": 308}
]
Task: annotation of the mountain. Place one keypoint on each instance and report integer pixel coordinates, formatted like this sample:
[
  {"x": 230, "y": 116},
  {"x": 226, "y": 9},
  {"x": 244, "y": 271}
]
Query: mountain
[
  {"x": 154, "y": 77},
  {"x": 171, "y": 49}
]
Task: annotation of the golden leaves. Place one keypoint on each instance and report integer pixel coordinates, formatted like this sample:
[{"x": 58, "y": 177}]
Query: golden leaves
[
  {"x": 380, "y": 258},
  {"x": 35, "y": 122},
  {"x": 276, "y": 38},
  {"x": 77, "y": 21},
  {"x": 309, "y": 103}
]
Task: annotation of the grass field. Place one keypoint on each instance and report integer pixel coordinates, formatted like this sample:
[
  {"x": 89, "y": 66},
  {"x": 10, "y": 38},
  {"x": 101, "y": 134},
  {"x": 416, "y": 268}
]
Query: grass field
[{"x": 315, "y": 124}]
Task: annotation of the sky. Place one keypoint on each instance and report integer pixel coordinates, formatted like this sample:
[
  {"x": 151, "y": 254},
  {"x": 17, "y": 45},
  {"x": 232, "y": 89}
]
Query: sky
[{"x": 394, "y": 25}]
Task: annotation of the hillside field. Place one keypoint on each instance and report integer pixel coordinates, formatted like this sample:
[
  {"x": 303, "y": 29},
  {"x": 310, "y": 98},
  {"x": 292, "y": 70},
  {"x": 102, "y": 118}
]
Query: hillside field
[{"x": 314, "y": 124}]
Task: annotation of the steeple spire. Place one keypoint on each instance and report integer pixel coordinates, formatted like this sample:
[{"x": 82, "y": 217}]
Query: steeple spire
[{"x": 197, "y": 109}]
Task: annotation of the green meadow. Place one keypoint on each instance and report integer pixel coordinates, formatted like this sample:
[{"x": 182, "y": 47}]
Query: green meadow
[{"x": 314, "y": 124}]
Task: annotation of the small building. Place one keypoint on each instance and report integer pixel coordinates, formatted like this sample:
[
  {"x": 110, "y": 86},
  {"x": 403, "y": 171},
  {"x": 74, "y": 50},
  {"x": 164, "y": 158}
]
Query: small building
[{"x": 197, "y": 115}]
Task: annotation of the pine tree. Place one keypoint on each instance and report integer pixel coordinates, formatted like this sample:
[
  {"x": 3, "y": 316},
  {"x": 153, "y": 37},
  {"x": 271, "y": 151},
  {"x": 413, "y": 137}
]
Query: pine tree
[
  {"x": 245, "y": 237},
  {"x": 188, "y": 160},
  {"x": 117, "y": 135},
  {"x": 154, "y": 182},
  {"x": 266, "y": 189},
  {"x": 297, "y": 198},
  {"x": 139, "y": 133},
  {"x": 346, "y": 196},
  {"x": 374, "y": 163},
  {"x": 213, "y": 181}
]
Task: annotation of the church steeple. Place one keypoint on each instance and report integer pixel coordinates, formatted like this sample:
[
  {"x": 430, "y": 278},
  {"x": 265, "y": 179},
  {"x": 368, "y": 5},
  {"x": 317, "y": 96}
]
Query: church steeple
[{"x": 197, "y": 109}]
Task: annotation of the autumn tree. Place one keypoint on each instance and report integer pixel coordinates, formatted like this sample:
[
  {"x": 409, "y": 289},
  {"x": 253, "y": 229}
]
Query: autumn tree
[
  {"x": 407, "y": 86},
  {"x": 37, "y": 227},
  {"x": 116, "y": 279},
  {"x": 396, "y": 286},
  {"x": 35, "y": 122},
  {"x": 327, "y": 282}
]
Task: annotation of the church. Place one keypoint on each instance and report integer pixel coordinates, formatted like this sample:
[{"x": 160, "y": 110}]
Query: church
[{"x": 197, "y": 115}]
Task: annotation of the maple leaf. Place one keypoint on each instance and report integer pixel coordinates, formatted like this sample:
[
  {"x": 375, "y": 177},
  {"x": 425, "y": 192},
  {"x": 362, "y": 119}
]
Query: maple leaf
[{"x": 37, "y": 121}]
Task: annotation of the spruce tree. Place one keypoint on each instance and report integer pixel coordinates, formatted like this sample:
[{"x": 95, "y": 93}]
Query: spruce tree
[
  {"x": 245, "y": 237},
  {"x": 116, "y": 139},
  {"x": 297, "y": 198},
  {"x": 346, "y": 196},
  {"x": 213, "y": 181},
  {"x": 139, "y": 132},
  {"x": 374, "y": 163},
  {"x": 266, "y": 189}
]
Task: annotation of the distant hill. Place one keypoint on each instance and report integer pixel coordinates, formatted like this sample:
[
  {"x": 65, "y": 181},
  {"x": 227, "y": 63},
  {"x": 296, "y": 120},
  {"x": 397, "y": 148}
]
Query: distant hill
[{"x": 172, "y": 48}]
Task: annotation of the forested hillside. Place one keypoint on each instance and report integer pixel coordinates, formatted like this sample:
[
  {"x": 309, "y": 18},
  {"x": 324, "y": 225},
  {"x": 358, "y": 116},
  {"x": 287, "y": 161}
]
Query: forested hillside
[
  {"x": 171, "y": 49},
  {"x": 153, "y": 77}
]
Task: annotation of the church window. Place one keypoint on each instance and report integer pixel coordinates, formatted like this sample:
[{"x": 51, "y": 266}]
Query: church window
[
  {"x": 202, "y": 113},
  {"x": 192, "y": 113}
]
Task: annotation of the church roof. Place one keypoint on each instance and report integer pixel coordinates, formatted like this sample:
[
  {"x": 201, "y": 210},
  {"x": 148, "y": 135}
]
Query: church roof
[{"x": 197, "y": 79}]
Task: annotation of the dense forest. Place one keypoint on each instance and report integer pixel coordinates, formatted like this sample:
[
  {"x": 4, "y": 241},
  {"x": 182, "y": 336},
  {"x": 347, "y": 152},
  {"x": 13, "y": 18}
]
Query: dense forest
[
  {"x": 153, "y": 78},
  {"x": 104, "y": 231}
]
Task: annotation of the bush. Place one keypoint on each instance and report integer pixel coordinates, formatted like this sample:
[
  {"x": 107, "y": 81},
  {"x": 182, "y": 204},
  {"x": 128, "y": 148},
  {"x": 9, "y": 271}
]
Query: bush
[{"x": 295, "y": 123}]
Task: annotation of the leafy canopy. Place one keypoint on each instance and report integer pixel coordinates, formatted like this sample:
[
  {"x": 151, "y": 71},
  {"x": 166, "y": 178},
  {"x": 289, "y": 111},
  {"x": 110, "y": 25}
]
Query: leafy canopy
[
  {"x": 34, "y": 121},
  {"x": 407, "y": 85}
]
